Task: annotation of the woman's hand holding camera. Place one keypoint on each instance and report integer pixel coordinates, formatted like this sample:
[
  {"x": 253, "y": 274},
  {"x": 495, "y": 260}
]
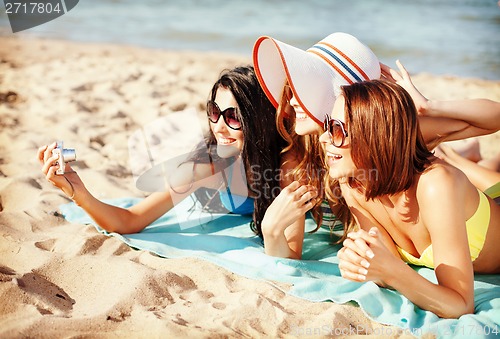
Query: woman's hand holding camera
[{"x": 70, "y": 183}]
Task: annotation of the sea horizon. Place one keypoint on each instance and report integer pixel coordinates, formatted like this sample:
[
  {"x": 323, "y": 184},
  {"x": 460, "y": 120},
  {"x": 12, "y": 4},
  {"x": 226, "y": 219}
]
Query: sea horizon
[{"x": 442, "y": 37}]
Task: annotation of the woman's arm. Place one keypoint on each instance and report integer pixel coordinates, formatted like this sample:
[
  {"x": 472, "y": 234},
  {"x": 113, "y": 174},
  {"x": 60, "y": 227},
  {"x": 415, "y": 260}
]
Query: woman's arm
[
  {"x": 284, "y": 221},
  {"x": 443, "y": 212},
  {"x": 443, "y": 209},
  {"x": 456, "y": 119},
  {"x": 125, "y": 220},
  {"x": 445, "y": 299},
  {"x": 446, "y": 197},
  {"x": 111, "y": 218},
  {"x": 283, "y": 239}
]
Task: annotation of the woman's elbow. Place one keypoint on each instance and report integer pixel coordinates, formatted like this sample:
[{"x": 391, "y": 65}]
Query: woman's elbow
[
  {"x": 456, "y": 312},
  {"x": 124, "y": 225},
  {"x": 294, "y": 255},
  {"x": 113, "y": 228}
]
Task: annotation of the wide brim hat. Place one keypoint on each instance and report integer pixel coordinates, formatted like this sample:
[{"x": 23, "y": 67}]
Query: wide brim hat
[{"x": 315, "y": 75}]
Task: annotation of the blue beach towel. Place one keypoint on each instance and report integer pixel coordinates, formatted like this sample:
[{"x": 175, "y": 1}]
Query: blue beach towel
[{"x": 226, "y": 240}]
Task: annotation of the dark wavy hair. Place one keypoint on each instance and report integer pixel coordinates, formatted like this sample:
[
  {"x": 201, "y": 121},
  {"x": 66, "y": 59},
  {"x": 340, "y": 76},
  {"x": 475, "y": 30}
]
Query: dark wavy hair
[{"x": 262, "y": 143}]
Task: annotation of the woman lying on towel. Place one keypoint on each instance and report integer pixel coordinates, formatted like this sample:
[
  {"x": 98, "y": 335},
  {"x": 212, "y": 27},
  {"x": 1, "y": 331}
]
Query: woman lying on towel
[
  {"x": 301, "y": 89},
  {"x": 407, "y": 203},
  {"x": 303, "y": 86},
  {"x": 242, "y": 138}
]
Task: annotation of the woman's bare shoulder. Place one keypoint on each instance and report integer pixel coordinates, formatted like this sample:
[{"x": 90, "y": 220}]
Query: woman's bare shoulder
[
  {"x": 439, "y": 180},
  {"x": 194, "y": 174}
]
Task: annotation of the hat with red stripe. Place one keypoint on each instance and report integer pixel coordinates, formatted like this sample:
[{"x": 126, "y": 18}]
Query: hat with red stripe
[{"x": 315, "y": 75}]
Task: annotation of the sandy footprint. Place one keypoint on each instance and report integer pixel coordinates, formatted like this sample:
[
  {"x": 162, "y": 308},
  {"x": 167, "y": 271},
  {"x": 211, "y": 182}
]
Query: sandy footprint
[
  {"x": 46, "y": 245},
  {"x": 93, "y": 244},
  {"x": 46, "y": 296},
  {"x": 6, "y": 273}
]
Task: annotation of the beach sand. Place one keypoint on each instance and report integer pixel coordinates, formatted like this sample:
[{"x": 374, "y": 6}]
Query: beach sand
[{"x": 67, "y": 280}]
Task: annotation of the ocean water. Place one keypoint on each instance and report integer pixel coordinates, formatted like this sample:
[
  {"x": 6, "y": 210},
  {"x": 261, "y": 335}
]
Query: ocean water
[{"x": 444, "y": 37}]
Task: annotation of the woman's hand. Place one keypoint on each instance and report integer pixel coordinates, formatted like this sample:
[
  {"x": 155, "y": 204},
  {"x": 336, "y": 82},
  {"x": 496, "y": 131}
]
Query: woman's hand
[
  {"x": 364, "y": 257},
  {"x": 292, "y": 202},
  {"x": 403, "y": 79},
  {"x": 70, "y": 183}
]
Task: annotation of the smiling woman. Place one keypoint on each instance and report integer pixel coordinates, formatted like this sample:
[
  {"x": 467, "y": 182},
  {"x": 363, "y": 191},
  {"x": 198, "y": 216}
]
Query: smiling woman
[
  {"x": 245, "y": 135},
  {"x": 303, "y": 86},
  {"x": 419, "y": 209},
  {"x": 227, "y": 131}
]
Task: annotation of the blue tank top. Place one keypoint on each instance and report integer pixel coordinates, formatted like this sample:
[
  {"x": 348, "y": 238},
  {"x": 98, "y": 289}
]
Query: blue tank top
[{"x": 234, "y": 203}]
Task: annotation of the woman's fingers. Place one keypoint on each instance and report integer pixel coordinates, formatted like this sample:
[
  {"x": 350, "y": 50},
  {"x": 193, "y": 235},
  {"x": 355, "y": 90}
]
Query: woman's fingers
[
  {"x": 353, "y": 276},
  {"x": 62, "y": 182},
  {"x": 402, "y": 69},
  {"x": 359, "y": 244},
  {"x": 298, "y": 194},
  {"x": 49, "y": 163},
  {"x": 307, "y": 196},
  {"x": 348, "y": 268},
  {"x": 387, "y": 72},
  {"x": 50, "y": 173},
  {"x": 352, "y": 271},
  {"x": 369, "y": 237},
  {"x": 384, "y": 68},
  {"x": 357, "y": 257},
  {"x": 363, "y": 249},
  {"x": 292, "y": 187},
  {"x": 302, "y": 189},
  {"x": 355, "y": 254},
  {"x": 48, "y": 151},
  {"x": 292, "y": 202},
  {"x": 41, "y": 153}
]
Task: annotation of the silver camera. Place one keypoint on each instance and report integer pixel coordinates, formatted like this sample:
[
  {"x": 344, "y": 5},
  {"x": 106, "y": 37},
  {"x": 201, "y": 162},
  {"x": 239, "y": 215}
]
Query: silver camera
[{"x": 65, "y": 155}]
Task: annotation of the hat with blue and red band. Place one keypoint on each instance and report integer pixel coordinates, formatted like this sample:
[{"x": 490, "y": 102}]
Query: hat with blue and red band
[{"x": 315, "y": 75}]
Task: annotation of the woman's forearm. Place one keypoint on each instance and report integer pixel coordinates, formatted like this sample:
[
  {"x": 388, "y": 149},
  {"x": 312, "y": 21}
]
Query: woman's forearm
[
  {"x": 283, "y": 241},
  {"x": 480, "y": 113},
  {"x": 441, "y": 300},
  {"x": 109, "y": 217},
  {"x": 121, "y": 220},
  {"x": 276, "y": 245}
]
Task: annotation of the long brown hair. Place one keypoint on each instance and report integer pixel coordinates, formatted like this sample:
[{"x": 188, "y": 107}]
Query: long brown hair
[
  {"x": 385, "y": 136},
  {"x": 305, "y": 149},
  {"x": 385, "y": 141}
]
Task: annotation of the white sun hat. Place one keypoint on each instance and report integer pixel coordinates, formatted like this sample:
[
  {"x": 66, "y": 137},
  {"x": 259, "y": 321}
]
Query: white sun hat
[{"x": 315, "y": 75}]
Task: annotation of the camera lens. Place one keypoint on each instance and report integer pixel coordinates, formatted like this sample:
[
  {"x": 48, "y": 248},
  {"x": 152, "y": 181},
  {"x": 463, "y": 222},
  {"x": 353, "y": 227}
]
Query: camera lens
[{"x": 69, "y": 154}]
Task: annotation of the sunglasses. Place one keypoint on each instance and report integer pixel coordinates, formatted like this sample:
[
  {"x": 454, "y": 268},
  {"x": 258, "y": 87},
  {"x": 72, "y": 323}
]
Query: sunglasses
[
  {"x": 229, "y": 115},
  {"x": 336, "y": 130}
]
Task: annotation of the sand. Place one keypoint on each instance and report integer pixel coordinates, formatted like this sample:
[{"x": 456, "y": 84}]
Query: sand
[{"x": 59, "y": 279}]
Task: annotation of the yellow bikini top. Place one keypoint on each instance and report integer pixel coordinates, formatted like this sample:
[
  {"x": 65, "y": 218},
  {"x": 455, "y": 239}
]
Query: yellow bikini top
[{"x": 476, "y": 226}]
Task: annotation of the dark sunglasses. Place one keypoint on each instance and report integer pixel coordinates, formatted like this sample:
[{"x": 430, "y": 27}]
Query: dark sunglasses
[
  {"x": 229, "y": 115},
  {"x": 336, "y": 130}
]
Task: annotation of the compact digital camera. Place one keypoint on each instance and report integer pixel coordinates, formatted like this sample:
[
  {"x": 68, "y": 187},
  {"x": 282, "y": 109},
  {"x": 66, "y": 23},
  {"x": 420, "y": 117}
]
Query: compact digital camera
[{"x": 65, "y": 155}]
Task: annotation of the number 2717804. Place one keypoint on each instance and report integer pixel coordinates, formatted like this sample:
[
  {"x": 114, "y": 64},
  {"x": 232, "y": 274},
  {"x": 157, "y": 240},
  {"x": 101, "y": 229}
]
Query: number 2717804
[{"x": 32, "y": 8}]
